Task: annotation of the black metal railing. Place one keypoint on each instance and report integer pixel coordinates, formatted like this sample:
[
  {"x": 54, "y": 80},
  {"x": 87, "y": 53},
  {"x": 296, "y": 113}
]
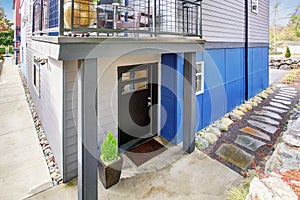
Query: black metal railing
[{"x": 136, "y": 18}]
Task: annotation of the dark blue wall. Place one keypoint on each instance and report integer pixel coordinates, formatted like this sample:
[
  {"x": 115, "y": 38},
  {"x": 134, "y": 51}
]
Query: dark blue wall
[
  {"x": 224, "y": 89},
  {"x": 258, "y": 70}
]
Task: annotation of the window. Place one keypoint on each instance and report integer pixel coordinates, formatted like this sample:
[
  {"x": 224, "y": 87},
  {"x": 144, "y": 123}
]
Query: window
[
  {"x": 36, "y": 77},
  {"x": 199, "y": 77}
]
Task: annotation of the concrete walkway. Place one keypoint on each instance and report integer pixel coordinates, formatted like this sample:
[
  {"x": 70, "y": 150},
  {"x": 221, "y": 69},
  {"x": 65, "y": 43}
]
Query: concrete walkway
[
  {"x": 194, "y": 176},
  {"x": 276, "y": 75},
  {"x": 23, "y": 169}
]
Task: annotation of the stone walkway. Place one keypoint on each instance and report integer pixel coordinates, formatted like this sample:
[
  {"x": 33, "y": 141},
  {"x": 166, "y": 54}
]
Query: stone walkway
[
  {"x": 23, "y": 170},
  {"x": 248, "y": 142}
]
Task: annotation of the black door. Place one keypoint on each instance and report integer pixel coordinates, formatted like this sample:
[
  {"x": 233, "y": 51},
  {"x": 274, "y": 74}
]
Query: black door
[{"x": 137, "y": 95}]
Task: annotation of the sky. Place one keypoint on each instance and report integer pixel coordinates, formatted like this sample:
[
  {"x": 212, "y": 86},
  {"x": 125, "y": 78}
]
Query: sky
[
  {"x": 285, "y": 9},
  {"x": 8, "y": 8}
]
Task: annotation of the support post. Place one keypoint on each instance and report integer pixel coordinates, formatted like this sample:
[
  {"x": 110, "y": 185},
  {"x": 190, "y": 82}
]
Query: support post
[
  {"x": 87, "y": 130},
  {"x": 189, "y": 118}
]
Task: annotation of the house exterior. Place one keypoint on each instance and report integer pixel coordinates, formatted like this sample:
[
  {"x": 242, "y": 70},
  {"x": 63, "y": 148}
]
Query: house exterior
[
  {"x": 17, "y": 36},
  {"x": 182, "y": 67}
]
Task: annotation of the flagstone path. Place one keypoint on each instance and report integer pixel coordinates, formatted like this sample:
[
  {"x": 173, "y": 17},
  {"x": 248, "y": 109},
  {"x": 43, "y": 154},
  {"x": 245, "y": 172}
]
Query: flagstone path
[{"x": 242, "y": 146}]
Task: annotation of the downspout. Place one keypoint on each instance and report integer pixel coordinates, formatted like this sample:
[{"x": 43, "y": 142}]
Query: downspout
[{"x": 246, "y": 49}]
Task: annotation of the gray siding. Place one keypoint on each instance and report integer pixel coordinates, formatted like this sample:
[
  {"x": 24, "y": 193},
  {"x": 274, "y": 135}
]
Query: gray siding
[
  {"x": 224, "y": 21},
  {"x": 69, "y": 120},
  {"x": 49, "y": 104},
  {"x": 259, "y": 23}
]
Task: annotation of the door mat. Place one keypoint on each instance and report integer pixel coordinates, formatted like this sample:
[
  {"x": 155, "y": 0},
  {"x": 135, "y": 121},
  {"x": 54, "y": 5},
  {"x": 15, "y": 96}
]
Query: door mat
[{"x": 145, "y": 151}]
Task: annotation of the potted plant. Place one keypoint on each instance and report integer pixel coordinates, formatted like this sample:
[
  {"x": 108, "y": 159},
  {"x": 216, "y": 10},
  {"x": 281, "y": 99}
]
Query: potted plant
[{"x": 110, "y": 162}]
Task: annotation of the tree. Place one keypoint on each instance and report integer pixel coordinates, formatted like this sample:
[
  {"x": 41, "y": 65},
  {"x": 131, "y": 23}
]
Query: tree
[
  {"x": 275, "y": 8},
  {"x": 2, "y": 13},
  {"x": 287, "y": 52}
]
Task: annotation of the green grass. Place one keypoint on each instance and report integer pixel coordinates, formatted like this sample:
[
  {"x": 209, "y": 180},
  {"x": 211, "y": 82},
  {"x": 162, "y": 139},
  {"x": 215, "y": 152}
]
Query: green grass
[{"x": 237, "y": 193}]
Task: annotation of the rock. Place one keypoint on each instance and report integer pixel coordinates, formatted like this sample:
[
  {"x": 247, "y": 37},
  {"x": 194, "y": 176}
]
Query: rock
[
  {"x": 222, "y": 127},
  {"x": 201, "y": 143},
  {"x": 263, "y": 95},
  {"x": 269, "y": 91},
  {"x": 215, "y": 131},
  {"x": 258, "y": 191},
  {"x": 226, "y": 121},
  {"x": 53, "y": 175},
  {"x": 271, "y": 188},
  {"x": 284, "y": 67},
  {"x": 258, "y": 98},
  {"x": 243, "y": 109},
  {"x": 279, "y": 188},
  {"x": 238, "y": 112},
  {"x": 293, "y": 66},
  {"x": 248, "y": 106},
  {"x": 200, "y": 133},
  {"x": 292, "y": 137},
  {"x": 234, "y": 116},
  {"x": 210, "y": 137},
  {"x": 253, "y": 103}
]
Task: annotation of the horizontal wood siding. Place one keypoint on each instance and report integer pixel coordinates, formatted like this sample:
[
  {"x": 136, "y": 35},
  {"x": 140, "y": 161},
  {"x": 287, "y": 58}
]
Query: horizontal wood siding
[
  {"x": 259, "y": 23},
  {"x": 224, "y": 21},
  {"x": 69, "y": 118},
  {"x": 49, "y": 104},
  {"x": 108, "y": 90}
]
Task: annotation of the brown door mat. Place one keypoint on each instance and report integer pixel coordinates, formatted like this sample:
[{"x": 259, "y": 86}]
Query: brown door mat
[{"x": 145, "y": 151}]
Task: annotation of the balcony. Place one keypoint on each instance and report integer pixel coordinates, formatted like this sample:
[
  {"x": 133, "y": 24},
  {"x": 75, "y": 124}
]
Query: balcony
[{"x": 124, "y": 18}]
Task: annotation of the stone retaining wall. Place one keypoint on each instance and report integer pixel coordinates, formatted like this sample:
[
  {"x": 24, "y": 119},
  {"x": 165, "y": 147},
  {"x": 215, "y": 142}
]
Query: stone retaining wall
[{"x": 284, "y": 63}]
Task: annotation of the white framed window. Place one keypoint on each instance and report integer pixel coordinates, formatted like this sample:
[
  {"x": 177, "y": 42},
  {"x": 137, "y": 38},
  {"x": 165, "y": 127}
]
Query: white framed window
[
  {"x": 36, "y": 77},
  {"x": 199, "y": 77}
]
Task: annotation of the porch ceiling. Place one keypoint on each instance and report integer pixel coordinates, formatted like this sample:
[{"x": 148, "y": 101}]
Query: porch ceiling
[{"x": 72, "y": 48}]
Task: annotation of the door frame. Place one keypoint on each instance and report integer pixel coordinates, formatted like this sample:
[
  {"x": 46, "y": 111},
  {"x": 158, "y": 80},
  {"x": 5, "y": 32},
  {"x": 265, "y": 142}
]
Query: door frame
[{"x": 154, "y": 99}]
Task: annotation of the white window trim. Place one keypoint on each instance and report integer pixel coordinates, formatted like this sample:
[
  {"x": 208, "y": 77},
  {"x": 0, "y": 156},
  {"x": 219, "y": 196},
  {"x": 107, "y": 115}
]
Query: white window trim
[
  {"x": 202, "y": 80},
  {"x": 33, "y": 71}
]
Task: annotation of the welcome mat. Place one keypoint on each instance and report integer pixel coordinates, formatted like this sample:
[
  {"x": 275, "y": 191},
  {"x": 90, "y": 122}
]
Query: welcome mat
[{"x": 145, "y": 151}]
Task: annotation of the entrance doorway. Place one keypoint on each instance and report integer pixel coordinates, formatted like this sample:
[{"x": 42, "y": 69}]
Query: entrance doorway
[{"x": 137, "y": 97}]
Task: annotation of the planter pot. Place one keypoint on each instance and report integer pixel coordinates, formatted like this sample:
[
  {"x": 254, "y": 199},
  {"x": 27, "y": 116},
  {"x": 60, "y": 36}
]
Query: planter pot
[
  {"x": 84, "y": 14},
  {"x": 110, "y": 175}
]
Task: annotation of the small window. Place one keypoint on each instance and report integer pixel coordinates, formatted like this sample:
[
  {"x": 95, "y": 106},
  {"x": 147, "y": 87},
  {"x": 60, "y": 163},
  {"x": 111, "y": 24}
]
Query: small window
[
  {"x": 132, "y": 75},
  {"x": 36, "y": 77},
  {"x": 132, "y": 87},
  {"x": 199, "y": 77}
]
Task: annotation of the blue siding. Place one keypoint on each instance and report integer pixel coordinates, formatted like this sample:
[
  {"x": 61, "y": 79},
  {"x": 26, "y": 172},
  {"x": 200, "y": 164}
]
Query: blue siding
[
  {"x": 258, "y": 71},
  {"x": 224, "y": 87},
  {"x": 172, "y": 97}
]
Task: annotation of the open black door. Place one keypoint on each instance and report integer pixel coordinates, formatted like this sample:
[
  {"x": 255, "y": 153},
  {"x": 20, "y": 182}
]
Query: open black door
[{"x": 137, "y": 93}]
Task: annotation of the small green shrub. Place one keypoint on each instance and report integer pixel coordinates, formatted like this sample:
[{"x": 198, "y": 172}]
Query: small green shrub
[
  {"x": 1, "y": 57},
  {"x": 109, "y": 151},
  {"x": 10, "y": 49},
  {"x": 287, "y": 52},
  {"x": 2, "y": 50}
]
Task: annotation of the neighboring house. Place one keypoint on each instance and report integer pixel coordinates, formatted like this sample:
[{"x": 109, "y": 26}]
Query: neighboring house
[
  {"x": 17, "y": 31},
  {"x": 227, "y": 44},
  {"x": 25, "y": 11}
]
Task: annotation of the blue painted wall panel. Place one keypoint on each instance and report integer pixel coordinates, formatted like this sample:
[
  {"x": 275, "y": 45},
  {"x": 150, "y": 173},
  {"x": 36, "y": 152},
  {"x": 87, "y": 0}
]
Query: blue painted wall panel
[
  {"x": 214, "y": 68},
  {"x": 235, "y": 93},
  {"x": 172, "y": 97},
  {"x": 224, "y": 86},
  {"x": 234, "y": 64}
]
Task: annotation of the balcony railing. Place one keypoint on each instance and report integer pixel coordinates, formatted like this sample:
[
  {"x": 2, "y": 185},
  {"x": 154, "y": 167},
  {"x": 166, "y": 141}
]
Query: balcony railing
[{"x": 124, "y": 18}]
